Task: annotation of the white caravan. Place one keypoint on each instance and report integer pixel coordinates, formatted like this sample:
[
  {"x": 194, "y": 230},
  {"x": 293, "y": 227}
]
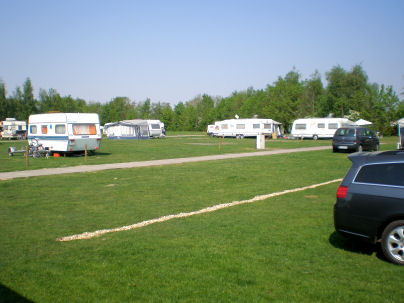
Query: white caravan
[
  {"x": 127, "y": 129},
  {"x": 210, "y": 131},
  {"x": 156, "y": 128},
  {"x": 135, "y": 129},
  {"x": 13, "y": 129},
  {"x": 241, "y": 128},
  {"x": 65, "y": 132},
  {"x": 316, "y": 128},
  {"x": 400, "y": 126}
]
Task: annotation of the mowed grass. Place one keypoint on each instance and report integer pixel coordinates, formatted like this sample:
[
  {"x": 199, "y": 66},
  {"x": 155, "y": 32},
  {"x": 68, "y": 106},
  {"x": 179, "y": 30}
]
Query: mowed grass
[
  {"x": 282, "y": 249},
  {"x": 175, "y": 146}
]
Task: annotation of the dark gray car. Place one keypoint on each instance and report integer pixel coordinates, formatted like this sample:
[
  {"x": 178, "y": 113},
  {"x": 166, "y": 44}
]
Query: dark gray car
[
  {"x": 370, "y": 201},
  {"x": 355, "y": 139}
]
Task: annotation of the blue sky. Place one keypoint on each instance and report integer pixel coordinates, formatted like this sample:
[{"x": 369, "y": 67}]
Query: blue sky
[{"x": 171, "y": 51}]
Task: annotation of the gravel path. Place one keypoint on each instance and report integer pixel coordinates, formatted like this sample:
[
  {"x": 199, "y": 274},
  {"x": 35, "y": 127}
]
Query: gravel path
[{"x": 92, "y": 168}]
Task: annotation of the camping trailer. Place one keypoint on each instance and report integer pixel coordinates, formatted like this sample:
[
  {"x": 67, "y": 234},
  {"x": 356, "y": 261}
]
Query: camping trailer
[
  {"x": 210, "y": 131},
  {"x": 241, "y": 128},
  {"x": 400, "y": 126},
  {"x": 156, "y": 128},
  {"x": 135, "y": 129},
  {"x": 65, "y": 132},
  {"x": 13, "y": 129},
  {"x": 317, "y": 128}
]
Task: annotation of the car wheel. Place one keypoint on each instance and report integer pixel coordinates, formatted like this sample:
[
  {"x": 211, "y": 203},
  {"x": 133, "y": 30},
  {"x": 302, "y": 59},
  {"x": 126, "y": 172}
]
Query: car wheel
[
  {"x": 393, "y": 242},
  {"x": 334, "y": 150}
]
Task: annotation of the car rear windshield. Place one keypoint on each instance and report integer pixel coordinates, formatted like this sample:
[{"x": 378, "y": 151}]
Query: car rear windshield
[
  {"x": 346, "y": 132},
  {"x": 384, "y": 174}
]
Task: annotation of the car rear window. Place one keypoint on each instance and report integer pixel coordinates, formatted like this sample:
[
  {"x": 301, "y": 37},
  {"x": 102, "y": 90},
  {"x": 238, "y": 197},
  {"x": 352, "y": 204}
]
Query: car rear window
[
  {"x": 384, "y": 174},
  {"x": 347, "y": 132}
]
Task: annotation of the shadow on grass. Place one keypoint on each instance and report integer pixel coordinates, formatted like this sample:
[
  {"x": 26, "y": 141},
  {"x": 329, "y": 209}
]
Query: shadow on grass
[
  {"x": 357, "y": 246},
  {"x": 81, "y": 154},
  {"x": 352, "y": 245},
  {"x": 7, "y": 295}
]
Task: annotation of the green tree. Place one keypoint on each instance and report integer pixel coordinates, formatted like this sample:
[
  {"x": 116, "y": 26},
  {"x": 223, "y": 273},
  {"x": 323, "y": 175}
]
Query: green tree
[
  {"x": 16, "y": 104},
  {"x": 3, "y": 102},
  {"x": 116, "y": 110},
  {"x": 167, "y": 117},
  {"x": 284, "y": 99},
  {"x": 145, "y": 109},
  {"x": 28, "y": 101},
  {"x": 313, "y": 96},
  {"x": 179, "y": 116}
]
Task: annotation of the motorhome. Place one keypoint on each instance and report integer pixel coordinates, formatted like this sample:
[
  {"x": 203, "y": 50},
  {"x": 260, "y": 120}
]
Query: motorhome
[
  {"x": 400, "y": 126},
  {"x": 13, "y": 129},
  {"x": 316, "y": 128},
  {"x": 241, "y": 128},
  {"x": 65, "y": 132}
]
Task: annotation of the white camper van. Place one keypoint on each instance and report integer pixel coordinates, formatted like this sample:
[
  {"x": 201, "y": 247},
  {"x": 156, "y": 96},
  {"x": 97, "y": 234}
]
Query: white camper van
[
  {"x": 13, "y": 129},
  {"x": 156, "y": 128},
  {"x": 65, "y": 132},
  {"x": 317, "y": 128},
  {"x": 241, "y": 128}
]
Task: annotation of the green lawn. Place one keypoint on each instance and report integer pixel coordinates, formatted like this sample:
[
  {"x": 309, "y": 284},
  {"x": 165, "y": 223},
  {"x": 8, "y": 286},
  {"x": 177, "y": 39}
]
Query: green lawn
[
  {"x": 174, "y": 146},
  {"x": 282, "y": 249}
]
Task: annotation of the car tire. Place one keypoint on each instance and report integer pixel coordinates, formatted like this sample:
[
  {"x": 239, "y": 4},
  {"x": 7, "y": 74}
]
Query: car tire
[
  {"x": 334, "y": 150},
  {"x": 393, "y": 242}
]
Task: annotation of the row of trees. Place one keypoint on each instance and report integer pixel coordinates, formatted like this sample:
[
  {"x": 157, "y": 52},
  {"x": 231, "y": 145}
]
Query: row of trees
[{"x": 347, "y": 94}]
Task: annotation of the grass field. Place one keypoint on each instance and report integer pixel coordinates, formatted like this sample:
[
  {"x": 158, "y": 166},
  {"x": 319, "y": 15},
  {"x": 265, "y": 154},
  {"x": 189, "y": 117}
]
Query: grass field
[
  {"x": 174, "y": 146},
  {"x": 282, "y": 249}
]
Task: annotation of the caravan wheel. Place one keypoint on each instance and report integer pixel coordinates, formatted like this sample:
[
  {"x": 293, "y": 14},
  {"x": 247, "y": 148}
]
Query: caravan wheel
[{"x": 315, "y": 137}]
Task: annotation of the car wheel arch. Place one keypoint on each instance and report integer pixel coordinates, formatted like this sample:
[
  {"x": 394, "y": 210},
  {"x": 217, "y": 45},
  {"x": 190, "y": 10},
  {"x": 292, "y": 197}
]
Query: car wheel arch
[{"x": 385, "y": 223}]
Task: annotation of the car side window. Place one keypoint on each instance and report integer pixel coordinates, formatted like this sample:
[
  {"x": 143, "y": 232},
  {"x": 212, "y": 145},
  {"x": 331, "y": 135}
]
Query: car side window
[{"x": 383, "y": 174}]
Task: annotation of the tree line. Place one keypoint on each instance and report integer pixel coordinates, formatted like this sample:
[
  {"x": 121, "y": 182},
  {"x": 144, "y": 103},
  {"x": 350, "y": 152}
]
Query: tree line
[{"x": 346, "y": 94}]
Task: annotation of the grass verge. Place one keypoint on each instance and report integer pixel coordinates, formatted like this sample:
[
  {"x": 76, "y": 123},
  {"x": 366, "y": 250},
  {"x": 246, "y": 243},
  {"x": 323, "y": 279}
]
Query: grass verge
[{"x": 280, "y": 249}]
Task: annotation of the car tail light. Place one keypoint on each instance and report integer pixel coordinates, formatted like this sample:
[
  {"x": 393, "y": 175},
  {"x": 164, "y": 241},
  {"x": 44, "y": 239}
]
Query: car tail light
[{"x": 342, "y": 191}]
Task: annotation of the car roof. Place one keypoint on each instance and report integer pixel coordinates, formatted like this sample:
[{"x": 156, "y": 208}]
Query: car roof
[{"x": 377, "y": 157}]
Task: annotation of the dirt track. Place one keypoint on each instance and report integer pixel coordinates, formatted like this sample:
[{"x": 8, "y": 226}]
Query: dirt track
[{"x": 92, "y": 168}]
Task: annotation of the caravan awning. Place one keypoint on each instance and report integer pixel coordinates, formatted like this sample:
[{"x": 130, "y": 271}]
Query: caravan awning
[{"x": 362, "y": 122}]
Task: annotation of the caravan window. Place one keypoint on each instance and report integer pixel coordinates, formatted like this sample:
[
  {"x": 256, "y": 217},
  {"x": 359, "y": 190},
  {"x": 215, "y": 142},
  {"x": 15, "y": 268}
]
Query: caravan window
[
  {"x": 33, "y": 129},
  {"x": 321, "y": 125},
  {"x": 44, "y": 129},
  {"x": 155, "y": 126},
  {"x": 300, "y": 126},
  {"x": 267, "y": 126},
  {"x": 84, "y": 129},
  {"x": 256, "y": 126},
  {"x": 332, "y": 125},
  {"x": 224, "y": 126},
  {"x": 240, "y": 126},
  {"x": 60, "y": 129}
]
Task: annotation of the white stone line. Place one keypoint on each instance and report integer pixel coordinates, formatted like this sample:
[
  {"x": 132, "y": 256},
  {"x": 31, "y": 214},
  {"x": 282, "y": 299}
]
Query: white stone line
[{"x": 89, "y": 235}]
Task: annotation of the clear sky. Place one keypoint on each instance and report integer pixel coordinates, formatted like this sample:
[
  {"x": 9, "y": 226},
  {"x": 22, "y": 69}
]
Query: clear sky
[{"x": 171, "y": 51}]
